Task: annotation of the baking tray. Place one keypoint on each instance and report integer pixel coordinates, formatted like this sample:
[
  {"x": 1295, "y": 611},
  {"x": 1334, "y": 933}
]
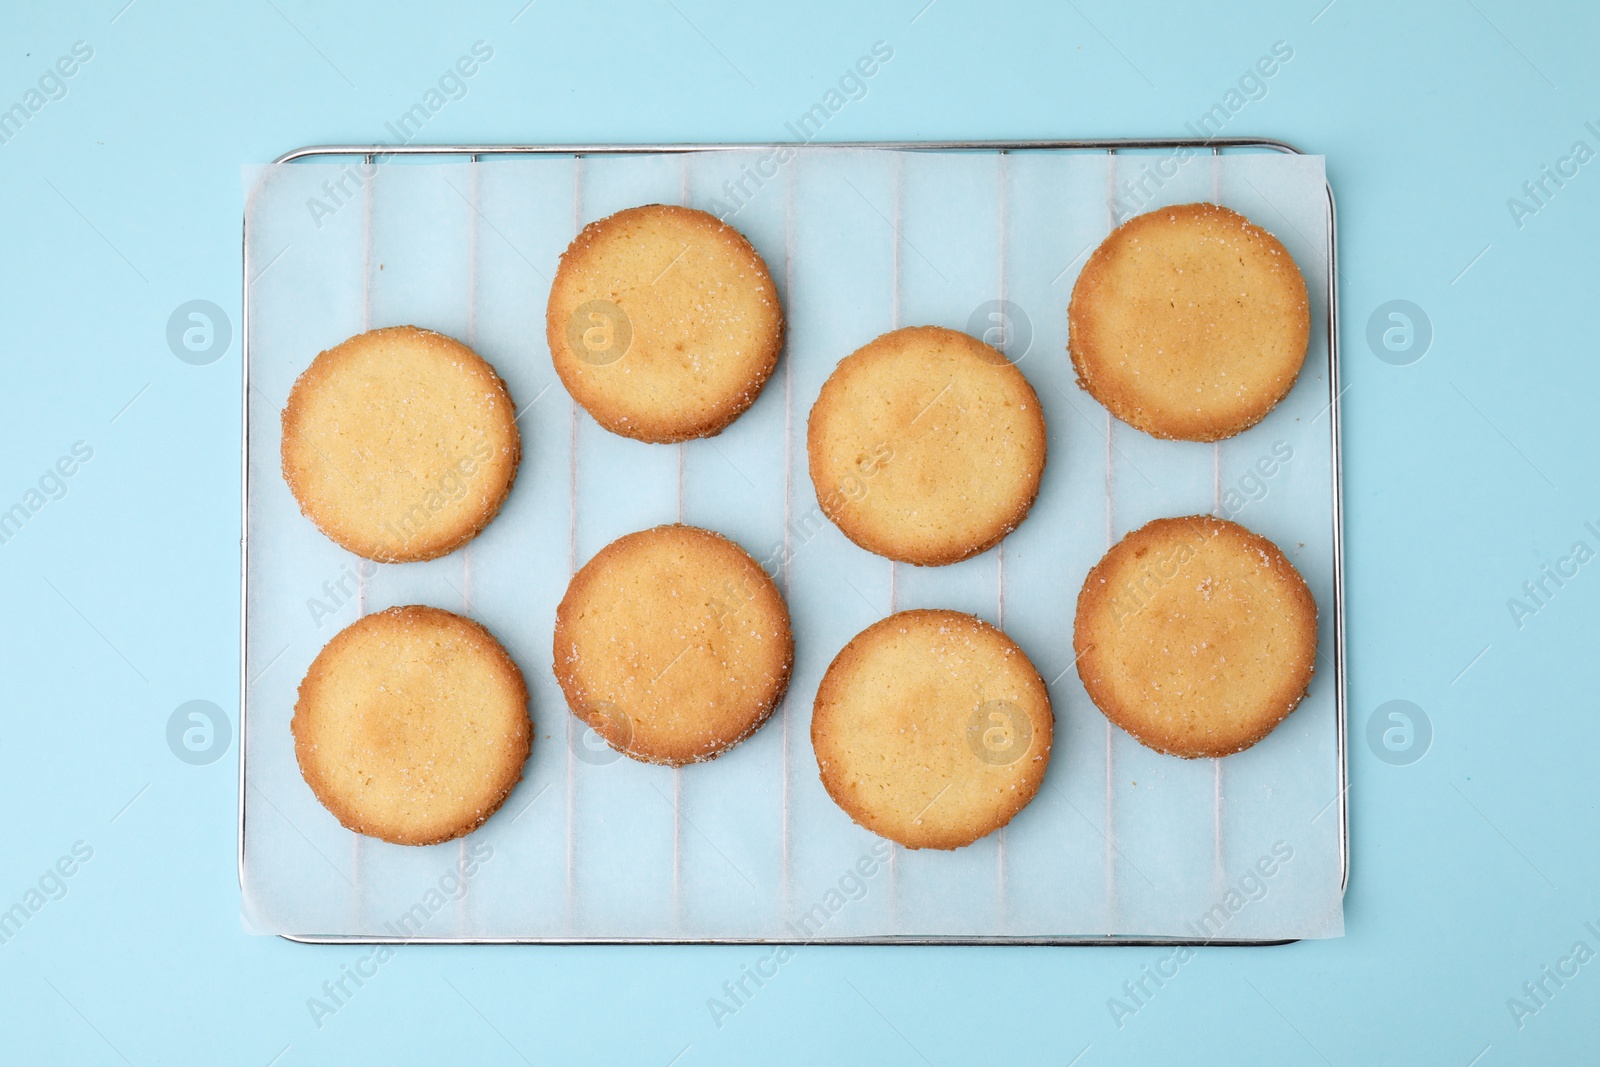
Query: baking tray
[{"x": 1128, "y": 188}]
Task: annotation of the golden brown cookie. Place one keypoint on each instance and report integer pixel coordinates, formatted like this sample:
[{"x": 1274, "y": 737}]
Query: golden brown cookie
[
  {"x": 926, "y": 446},
  {"x": 412, "y": 725},
  {"x": 1189, "y": 322},
  {"x": 400, "y": 444},
  {"x": 1196, "y": 636},
  {"x": 673, "y": 644},
  {"x": 932, "y": 728},
  {"x": 663, "y": 323}
]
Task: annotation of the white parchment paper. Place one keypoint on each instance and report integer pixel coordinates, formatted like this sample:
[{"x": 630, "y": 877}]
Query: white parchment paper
[{"x": 1120, "y": 841}]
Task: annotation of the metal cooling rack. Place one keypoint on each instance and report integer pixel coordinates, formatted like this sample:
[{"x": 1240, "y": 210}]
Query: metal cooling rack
[{"x": 372, "y": 153}]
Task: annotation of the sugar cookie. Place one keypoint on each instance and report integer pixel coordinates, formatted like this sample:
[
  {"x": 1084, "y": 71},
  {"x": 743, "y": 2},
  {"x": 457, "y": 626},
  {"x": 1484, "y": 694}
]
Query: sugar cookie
[
  {"x": 412, "y": 725},
  {"x": 400, "y": 444},
  {"x": 926, "y": 446},
  {"x": 1196, "y": 636},
  {"x": 673, "y": 644},
  {"x": 663, "y": 323},
  {"x": 1189, "y": 322},
  {"x": 932, "y": 728}
]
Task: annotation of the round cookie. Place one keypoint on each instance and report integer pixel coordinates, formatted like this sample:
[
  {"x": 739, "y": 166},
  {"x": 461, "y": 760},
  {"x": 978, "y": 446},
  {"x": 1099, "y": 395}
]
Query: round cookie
[
  {"x": 673, "y": 645},
  {"x": 932, "y": 728},
  {"x": 1196, "y": 636},
  {"x": 1189, "y": 323},
  {"x": 412, "y": 725},
  {"x": 926, "y": 446},
  {"x": 663, "y": 323},
  {"x": 400, "y": 444}
]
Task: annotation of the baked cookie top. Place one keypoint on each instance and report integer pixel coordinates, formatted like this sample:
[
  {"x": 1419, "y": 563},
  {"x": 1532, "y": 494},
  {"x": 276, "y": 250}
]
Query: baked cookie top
[
  {"x": 1196, "y": 636},
  {"x": 412, "y": 725},
  {"x": 926, "y": 446},
  {"x": 400, "y": 444},
  {"x": 663, "y": 323},
  {"x": 1189, "y": 322},
  {"x": 932, "y": 728},
  {"x": 673, "y": 644}
]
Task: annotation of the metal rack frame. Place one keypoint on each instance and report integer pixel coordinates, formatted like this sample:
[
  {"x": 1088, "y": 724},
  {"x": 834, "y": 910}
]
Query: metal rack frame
[{"x": 377, "y": 153}]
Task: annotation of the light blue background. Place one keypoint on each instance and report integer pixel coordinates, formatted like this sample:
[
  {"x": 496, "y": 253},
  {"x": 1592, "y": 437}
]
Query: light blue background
[{"x": 1465, "y": 472}]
